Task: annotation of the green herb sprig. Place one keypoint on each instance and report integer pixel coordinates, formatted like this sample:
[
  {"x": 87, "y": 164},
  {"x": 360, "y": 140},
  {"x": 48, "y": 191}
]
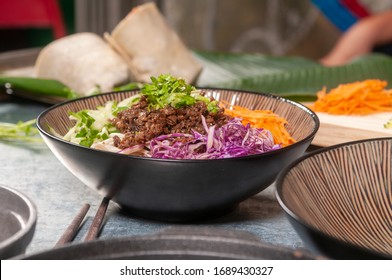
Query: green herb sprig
[{"x": 167, "y": 90}]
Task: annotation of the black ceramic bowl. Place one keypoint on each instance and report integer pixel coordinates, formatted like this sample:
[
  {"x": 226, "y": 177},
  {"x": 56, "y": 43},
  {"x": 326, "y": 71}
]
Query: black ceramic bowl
[
  {"x": 178, "y": 190},
  {"x": 18, "y": 217},
  {"x": 339, "y": 199}
]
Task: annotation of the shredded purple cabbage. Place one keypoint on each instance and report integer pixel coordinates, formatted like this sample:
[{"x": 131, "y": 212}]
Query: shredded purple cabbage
[{"x": 230, "y": 140}]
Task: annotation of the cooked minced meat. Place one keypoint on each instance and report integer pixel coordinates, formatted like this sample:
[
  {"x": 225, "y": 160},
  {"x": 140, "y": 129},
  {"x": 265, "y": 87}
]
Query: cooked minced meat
[{"x": 139, "y": 124}]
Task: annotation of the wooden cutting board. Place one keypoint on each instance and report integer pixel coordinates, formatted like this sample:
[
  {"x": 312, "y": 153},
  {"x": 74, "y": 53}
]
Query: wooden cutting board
[{"x": 339, "y": 129}]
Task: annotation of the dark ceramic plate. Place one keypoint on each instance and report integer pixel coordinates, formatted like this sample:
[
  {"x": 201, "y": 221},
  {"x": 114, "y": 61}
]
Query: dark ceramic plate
[
  {"x": 178, "y": 190},
  {"x": 18, "y": 216},
  {"x": 177, "y": 243}
]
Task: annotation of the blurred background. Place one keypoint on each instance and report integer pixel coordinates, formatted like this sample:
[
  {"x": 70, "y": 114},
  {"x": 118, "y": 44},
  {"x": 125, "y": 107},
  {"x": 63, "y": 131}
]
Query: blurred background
[{"x": 277, "y": 27}]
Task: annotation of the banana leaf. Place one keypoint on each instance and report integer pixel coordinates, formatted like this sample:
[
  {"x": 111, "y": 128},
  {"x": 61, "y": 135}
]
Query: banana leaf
[{"x": 294, "y": 78}]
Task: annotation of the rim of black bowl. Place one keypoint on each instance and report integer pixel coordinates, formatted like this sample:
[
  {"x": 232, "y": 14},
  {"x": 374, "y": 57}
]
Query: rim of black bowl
[
  {"x": 27, "y": 225},
  {"x": 291, "y": 146},
  {"x": 286, "y": 170}
]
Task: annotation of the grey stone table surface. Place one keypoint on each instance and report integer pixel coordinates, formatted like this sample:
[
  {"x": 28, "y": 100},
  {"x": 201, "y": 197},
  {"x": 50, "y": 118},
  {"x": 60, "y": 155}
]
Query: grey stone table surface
[{"x": 58, "y": 195}]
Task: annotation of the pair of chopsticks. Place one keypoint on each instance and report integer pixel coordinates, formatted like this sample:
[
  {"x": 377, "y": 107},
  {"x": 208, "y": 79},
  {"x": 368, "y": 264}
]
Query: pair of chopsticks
[{"x": 94, "y": 228}]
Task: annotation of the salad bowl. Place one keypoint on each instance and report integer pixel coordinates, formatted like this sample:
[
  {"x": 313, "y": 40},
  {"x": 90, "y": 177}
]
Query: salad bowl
[
  {"x": 339, "y": 199},
  {"x": 177, "y": 189}
]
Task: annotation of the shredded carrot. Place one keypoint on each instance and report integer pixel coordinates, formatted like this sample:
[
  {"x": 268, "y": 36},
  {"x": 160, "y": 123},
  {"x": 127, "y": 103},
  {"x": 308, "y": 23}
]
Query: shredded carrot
[
  {"x": 358, "y": 98},
  {"x": 262, "y": 119}
]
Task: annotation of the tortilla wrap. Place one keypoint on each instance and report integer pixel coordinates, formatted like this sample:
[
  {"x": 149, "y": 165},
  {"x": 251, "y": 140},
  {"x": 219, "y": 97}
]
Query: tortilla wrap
[
  {"x": 82, "y": 61},
  {"x": 152, "y": 47}
]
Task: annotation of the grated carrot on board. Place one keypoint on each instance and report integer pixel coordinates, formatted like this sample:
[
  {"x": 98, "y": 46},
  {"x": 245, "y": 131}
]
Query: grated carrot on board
[
  {"x": 262, "y": 119},
  {"x": 358, "y": 98}
]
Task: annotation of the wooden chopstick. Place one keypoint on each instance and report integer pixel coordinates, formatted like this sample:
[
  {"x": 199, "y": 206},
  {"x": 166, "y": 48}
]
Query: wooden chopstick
[
  {"x": 94, "y": 228},
  {"x": 73, "y": 227},
  {"x": 97, "y": 221}
]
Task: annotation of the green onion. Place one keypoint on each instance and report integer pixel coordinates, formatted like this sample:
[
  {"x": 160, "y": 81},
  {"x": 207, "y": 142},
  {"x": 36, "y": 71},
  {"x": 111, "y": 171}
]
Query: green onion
[
  {"x": 20, "y": 131},
  {"x": 388, "y": 124},
  {"x": 42, "y": 87},
  {"x": 130, "y": 86}
]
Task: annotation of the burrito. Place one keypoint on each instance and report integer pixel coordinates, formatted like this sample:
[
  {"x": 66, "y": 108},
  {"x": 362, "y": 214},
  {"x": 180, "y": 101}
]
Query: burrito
[
  {"x": 84, "y": 62},
  {"x": 142, "y": 45},
  {"x": 150, "y": 47}
]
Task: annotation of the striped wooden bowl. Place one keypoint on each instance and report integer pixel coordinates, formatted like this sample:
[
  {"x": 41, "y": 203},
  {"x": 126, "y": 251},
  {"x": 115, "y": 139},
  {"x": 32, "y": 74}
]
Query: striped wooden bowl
[{"x": 339, "y": 199}]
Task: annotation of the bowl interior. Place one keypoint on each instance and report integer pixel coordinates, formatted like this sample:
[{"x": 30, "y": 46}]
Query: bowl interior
[
  {"x": 301, "y": 121},
  {"x": 17, "y": 218},
  {"x": 344, "y": 191}
]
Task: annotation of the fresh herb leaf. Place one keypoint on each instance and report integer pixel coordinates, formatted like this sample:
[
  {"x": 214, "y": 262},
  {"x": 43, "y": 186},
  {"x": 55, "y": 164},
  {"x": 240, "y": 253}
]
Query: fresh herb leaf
[{"x": 167, "y": 90}]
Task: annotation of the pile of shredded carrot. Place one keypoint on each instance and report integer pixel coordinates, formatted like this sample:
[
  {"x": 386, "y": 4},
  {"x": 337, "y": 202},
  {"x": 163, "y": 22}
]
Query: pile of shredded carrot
[
  {"x": 358, "y": 98},
  {"x": 262, "y": 119}
]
